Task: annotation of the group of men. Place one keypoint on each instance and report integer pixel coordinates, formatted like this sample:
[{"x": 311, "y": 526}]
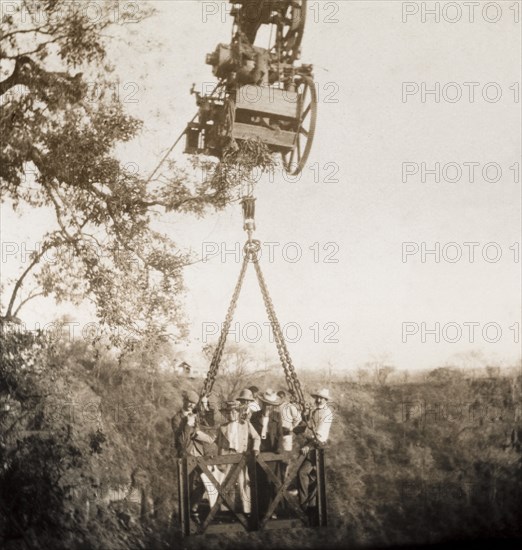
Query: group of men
[{"x": 259, "y": 422}]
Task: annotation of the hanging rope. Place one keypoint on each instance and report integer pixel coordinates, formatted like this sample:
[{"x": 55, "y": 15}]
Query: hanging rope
[{"x": 167, "y": 154}]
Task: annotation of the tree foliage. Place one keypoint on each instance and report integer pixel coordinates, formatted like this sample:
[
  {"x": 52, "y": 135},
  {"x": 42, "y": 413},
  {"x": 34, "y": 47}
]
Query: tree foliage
[
  {"x": 58, "y": 153},
  {"x": 64, "y": 449}
]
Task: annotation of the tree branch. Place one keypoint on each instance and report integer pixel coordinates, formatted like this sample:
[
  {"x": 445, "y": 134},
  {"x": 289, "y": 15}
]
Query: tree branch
[
  {"x": 38, "y": 48},
  {"x": 28, "y": 73},
  {"x": 23, "y": 31},
  {"x": 31, "y": 295},
  {"x": 36, "y": 259}
]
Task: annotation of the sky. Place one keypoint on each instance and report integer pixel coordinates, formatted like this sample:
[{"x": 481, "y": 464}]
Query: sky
[{"x": 401, "y": 237}]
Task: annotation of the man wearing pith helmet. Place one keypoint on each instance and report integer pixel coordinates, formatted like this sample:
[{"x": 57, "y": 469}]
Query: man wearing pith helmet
[
  {"x": 317, "y": 433},
  {"x": 245, "y": 395},
  {"x": 188, "y": 439},
  {"x": 245, "y": 399},
  {"x": 254, "y": 405}
]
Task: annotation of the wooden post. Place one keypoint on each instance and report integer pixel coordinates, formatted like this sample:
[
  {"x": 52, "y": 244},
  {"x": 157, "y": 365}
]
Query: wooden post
[
  {"x": 254, "y": 516},
  {"x": 321, "y": 488},
  {"x": 184, "y": 497}
]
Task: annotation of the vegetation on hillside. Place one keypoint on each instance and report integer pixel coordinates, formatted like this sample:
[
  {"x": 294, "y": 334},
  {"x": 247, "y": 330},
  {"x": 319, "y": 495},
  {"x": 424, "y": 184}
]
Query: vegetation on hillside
[{"x": 88, "y": 459}]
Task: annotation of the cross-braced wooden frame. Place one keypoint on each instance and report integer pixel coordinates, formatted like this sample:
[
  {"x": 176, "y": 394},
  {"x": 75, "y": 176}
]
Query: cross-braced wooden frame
[{"x": 258, "y": 519}]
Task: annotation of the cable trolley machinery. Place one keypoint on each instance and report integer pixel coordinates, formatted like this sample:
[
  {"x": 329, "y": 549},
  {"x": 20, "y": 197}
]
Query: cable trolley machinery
[{"x": 261, "y": 93}]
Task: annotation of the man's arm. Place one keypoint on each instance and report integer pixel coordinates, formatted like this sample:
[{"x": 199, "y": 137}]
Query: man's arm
[
  {"x": 184, "y": 434},
  {"x": 255, "y": 437},
  {"x": 319, "y": 437},
  {"x": 175, "y": 422},
  {"x": 296, "y": 416},
  {"x": 323, "y": 426},
  {"x": 202, "y": 437},
  {"x": 322, "y": 429}
]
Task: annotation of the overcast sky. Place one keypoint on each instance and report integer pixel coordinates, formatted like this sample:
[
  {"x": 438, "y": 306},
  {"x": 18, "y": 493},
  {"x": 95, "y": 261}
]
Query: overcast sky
[{"x": 348, "y": 275}]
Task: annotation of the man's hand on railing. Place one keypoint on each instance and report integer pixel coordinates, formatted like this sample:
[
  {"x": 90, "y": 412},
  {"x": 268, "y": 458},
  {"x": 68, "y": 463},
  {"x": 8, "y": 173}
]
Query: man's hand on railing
[{"x": 305, "y": 450}]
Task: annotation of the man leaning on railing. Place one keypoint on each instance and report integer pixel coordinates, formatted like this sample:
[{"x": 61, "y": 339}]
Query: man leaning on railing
[{"x": 316, "y": 436}]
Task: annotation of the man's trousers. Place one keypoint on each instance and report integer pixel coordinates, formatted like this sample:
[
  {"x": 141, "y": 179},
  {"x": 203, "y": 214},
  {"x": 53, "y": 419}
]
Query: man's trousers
[{"x": 307, "y": 482}]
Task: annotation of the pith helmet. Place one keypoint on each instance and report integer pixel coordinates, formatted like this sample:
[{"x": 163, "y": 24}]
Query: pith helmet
[
  {"x": 323, "y": 392},
  {"x": 245, "y": 395}
]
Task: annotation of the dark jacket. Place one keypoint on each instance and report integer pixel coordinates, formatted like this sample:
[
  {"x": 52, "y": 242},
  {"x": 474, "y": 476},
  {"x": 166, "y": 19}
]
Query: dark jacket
[
  {"x": 274, "y": 434},
  {"x": 189, "y": 440}
]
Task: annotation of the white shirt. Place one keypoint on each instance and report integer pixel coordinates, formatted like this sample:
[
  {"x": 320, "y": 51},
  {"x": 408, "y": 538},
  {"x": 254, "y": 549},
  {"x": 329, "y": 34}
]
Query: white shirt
[
  {"x": 322, "y": 418},
  {"x": 290, "y": 418},
  {"x": 290, "y": 415},
  {"x": 233, "y": 435},
  {"x": 254, "y": 406}
]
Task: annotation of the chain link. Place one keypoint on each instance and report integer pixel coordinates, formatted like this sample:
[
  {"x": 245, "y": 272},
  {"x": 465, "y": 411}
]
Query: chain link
[
  {"x": 218, "y": 352},
  {"x": 284, "y": 355},
  {"x": 251, "y": 249},
  {"x": 290, "y": 373}
]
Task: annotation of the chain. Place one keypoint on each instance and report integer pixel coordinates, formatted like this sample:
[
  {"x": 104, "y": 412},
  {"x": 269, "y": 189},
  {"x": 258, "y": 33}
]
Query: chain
[
  {"x": 218, "y": 352},
  {"x": 275, "y": 325},
  {"x": 284, "y": 355},
  {"x": 251, "y": 255}
]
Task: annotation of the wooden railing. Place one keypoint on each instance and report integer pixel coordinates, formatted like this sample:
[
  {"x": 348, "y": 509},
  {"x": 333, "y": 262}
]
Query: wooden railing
[{"x": 272, "y": 474}]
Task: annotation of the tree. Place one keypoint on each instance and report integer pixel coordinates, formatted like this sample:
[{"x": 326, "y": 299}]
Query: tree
[
  {"x": 493, "y": 371},
  {"x": 66, "y": 438},
  {"x": 235, "y": 371},
  {"x": 472, "y": 362},
  {"x": 444, "y": 375},
  {"x": 330, "y": 369},
  {"x": 378, "y": 369},
  {"x": 362, "y": 375},
  {"x": 405, "y": 376},
  {"x": 40, "y": 452},
  {"x": 58, "y": 152}
]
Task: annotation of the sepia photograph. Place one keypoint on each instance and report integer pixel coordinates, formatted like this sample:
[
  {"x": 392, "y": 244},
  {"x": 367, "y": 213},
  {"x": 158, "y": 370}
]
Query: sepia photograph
[{"x": 260, "y": 275}]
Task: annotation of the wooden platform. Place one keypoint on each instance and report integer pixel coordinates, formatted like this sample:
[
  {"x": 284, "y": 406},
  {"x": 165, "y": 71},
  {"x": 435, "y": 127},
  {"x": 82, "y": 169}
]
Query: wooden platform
[{"x": 261, "y": 470}]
